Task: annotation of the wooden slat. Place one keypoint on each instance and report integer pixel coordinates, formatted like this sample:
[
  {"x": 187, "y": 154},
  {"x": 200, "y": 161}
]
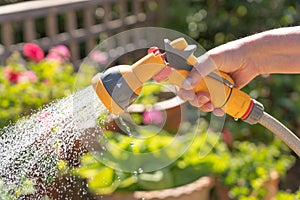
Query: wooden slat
[
  {"x": 123, "y": 9},
  {"x": 89, "y": 21},
  {"x": 7, "y": 34},
  {"x": 70, "y": 27},
  {"x": 29, "y": 29},
  {"x": 136, "y": 7},
  {"x": 51, "y": 24},
  {"x": 107, "y": 14}
]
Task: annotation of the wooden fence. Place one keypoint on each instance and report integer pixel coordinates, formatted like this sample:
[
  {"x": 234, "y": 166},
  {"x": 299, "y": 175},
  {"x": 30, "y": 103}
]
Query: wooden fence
[{"x": 75, "y": 23}]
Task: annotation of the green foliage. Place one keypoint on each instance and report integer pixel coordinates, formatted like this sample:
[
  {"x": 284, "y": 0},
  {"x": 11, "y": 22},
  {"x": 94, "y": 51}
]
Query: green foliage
[
  {"x": 54, "y": 80},
  {"x": 148, "y": 95},
  {"x": 251, "y": 165},
  {"x": 12, "y": 191},
  {"x": 245, "y": 168},
  {"x": 187, "y": 168},
  {"x": 281, "y": 195},
  {"x": 214, "y": 22}
]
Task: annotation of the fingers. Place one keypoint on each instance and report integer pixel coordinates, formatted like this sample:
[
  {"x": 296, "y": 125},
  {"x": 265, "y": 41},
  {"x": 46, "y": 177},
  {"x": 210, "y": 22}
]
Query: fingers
[
  {"x": 218, "y": 112},
  {"x": 203, "y": 67},
  {"x": 186, "y": 95},
  {"x": 200, "y": 100}
]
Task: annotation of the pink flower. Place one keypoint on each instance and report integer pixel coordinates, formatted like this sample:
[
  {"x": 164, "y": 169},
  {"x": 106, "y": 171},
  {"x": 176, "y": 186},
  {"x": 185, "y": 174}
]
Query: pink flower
[
  {"x": 19, "y": 77},
  {"x": 227, "y": 137},
  {"x": 59, "y": 53},
  {"x": 33, "y": 52},
  {"x": 61, "y": 50},
  {"x": 11, "y": 75},
  {"x": 152, "y": 116},
  {"x": 99, "y": 57},
  {"x": 28, "y": 76},
  {"x": 54, "y": 57}
]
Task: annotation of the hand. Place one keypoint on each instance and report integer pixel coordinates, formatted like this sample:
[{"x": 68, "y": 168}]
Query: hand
[
  {"x": 273, "y": 51},
  {"x": 232, "y": 58}
]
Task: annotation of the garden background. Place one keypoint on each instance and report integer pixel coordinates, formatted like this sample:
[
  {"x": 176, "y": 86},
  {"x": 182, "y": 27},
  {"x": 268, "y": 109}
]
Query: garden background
[{"x": 25, "y": 84}]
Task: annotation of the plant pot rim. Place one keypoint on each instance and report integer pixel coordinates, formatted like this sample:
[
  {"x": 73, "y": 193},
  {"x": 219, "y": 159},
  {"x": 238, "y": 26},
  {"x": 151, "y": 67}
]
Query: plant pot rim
[
  {"x": 203, "y": 183},
  {"x": 162, "y": 105}
]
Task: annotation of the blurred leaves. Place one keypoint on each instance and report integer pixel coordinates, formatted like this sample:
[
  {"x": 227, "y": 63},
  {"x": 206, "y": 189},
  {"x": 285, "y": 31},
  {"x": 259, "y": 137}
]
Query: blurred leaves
[
  {"x": 251, "y": 167},
  {"x": 20, "y": 95},
  {"x": 187, "y": 168},
  {"x": 245, "y": 168},
  {"x": 13, "y": 191}
]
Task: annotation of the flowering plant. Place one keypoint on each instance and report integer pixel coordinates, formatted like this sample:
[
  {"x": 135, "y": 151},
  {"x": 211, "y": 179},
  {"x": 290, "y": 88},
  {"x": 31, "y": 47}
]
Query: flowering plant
[{"x": 32, "y": 79}]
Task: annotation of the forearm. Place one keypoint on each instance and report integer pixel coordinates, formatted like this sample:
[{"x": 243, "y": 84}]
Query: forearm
[{"x": 275, "y": 51}]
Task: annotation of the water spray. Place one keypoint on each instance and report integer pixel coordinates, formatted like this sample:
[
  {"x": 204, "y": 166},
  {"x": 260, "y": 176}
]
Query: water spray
[{"x": 118, "y": 87}]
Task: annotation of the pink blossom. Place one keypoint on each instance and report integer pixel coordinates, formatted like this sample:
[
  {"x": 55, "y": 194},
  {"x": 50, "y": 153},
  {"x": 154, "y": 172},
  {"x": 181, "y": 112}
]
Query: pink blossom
[
  {"x": 28, "y": 76},
  {"x": 11, "y": 75},
  {"x": 99, "y": 57},
  {"x": 19, "y": 77},
  {"x": 54, "y": 57},
  {"x": 152, "y": 116},
  {"x": 33, "y": 52},
  {"x": 227, "y": 137},
  {"x": 59, "y": 53},
  {"x": 61, "y": 50}
]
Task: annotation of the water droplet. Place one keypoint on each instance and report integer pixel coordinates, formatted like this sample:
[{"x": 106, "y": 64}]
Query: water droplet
[
  {"x": 84, "y": 192},
  {"x": 135, "y": 173},
  {"x": 119, "y": 178},
  {"x": 131, "y": 143},
  {"x": 236, "y": 119},
  {"x": 128, "y": 131},
  {"x": 140, "y": 170}
]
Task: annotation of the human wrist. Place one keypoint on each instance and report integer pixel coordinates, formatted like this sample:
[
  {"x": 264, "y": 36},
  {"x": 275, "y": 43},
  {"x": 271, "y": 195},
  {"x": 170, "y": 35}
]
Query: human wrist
[{"x": 255, "y": 51}]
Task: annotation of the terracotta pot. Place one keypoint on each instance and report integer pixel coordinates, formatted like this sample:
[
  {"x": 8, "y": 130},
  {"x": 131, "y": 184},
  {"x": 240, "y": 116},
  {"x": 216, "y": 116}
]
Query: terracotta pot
[
  {"x": 272, "y": 186},
  {"x": 199, "y": 189}
]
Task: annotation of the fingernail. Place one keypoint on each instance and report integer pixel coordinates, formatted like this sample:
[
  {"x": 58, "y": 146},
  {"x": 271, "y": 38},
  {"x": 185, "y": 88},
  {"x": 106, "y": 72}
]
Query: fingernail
[
  {"x": 203, "y": 99},
  {"x": 186, "y": 94},
  {"x": 209, "y": 107},
  {"x": 218, "y": 112}
]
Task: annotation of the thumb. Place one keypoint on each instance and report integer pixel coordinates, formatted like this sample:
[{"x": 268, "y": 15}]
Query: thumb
[{"x": 202, "y": 68}]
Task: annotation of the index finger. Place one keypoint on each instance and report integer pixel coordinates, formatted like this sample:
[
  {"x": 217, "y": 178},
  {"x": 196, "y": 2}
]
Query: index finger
[{"x": 202, "y": 68}]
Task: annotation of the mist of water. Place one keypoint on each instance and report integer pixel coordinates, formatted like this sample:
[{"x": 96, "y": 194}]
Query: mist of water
[{"x": 32, "y": 146}]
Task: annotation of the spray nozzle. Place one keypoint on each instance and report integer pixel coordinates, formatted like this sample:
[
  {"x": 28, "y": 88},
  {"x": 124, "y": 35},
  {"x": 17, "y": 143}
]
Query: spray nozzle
[{"x": 119, "y": 86}]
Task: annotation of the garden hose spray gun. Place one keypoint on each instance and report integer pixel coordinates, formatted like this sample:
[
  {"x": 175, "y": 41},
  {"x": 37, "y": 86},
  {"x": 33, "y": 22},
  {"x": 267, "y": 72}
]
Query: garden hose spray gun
[{"x": 119, "y": 86}]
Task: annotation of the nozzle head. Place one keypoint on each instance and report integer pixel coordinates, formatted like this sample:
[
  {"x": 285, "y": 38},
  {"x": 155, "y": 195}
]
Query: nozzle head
[{"x": 113, "y": 90}]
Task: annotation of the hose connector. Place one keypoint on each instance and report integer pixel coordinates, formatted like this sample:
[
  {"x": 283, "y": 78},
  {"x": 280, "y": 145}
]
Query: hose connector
[{"x": 256, "y": 110}]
